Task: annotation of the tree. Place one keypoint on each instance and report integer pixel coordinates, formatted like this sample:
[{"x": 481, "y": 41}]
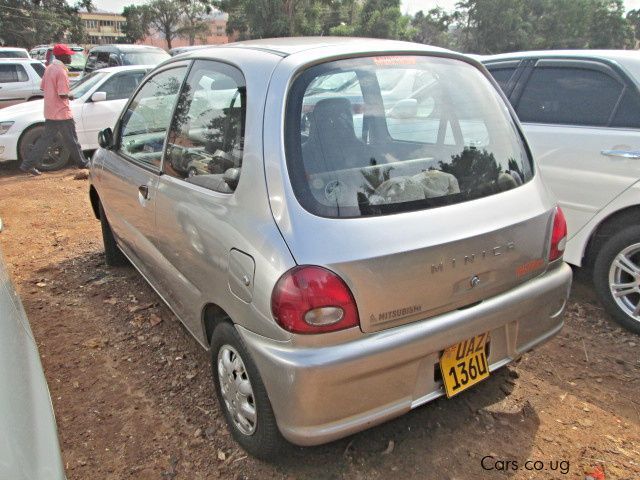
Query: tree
[
  {"x": 26, "y": 23},
  {"x": 136, "y": 26},
  {"x": 193, "y": 20},
  {"x": 165, "y": 17},
  {"x": 383, "y": 19},
  {"x": 432, "y": 28},
  {"x": 633, "y": 17}
]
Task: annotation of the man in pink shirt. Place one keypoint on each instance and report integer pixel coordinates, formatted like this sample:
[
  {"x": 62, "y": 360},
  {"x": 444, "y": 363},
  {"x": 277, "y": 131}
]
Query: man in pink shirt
[{"x": 58, "y": 119}]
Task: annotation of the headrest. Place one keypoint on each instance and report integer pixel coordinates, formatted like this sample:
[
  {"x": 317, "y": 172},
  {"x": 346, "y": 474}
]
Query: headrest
[{"x": 332, "y": 117}]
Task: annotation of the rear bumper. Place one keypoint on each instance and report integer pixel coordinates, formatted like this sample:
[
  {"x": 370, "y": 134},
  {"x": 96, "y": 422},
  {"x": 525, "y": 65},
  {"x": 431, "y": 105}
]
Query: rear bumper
[{"x": 324, "y": 393}]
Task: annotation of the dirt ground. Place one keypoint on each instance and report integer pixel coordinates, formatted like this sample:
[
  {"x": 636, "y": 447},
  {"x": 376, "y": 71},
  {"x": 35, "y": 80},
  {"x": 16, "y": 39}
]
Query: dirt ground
[{"x": 133, "y": 395}]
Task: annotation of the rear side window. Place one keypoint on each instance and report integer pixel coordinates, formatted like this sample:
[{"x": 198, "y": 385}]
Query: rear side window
[
  {"x": 122, "y": 85},
  {"x": 381, "y": 135},
  {"x": 206, "y": 140},
  {"x": 39, "y": 68},
  {"x": 570, "y": 96},
  {"x": 628, "y": 113},
  {"x": 12, "y": 73},
  {"x": 502, "y": 76}
]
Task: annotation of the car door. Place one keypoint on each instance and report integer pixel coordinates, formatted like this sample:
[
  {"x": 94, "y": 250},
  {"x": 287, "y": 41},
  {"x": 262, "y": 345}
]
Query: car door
[
  {"x": 14, "y": 84},
  {"x": 576, "y": 117},
  {"x": 131, "y": 169},
  {"x": 195, "y": 204},
  {"x": 97, "y": 116}
]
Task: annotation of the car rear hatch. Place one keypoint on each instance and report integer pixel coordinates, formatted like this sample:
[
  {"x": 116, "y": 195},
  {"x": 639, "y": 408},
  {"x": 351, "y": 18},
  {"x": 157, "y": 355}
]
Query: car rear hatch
[{"x": 420, "y": 194}]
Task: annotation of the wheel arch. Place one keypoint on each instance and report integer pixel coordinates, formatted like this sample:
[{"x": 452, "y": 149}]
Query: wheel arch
[
  {"x": 212, "y": 316},
  {"x": 24, "y": 132},
  {"x": 611, "y": 224},
  {"x": 95, "y": 201}
]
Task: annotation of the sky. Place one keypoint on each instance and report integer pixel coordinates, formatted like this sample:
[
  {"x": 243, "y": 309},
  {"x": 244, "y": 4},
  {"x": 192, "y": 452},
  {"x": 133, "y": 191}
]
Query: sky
[{"x": 408, "y": 6}]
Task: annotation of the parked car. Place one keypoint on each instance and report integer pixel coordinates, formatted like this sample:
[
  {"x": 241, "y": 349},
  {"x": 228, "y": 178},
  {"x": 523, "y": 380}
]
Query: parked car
[
  {"x": 580, "y": 111},
  {"x": 104, "y": 56},
  {"x": 29, "y": 447},
  {"x": 99, "y": 98},
  {"x": 19, "y": 81},
  {"x": 44, "y": 53},
  {"x": 13, "y": 52},
  {"x": 338, "y": 278}
]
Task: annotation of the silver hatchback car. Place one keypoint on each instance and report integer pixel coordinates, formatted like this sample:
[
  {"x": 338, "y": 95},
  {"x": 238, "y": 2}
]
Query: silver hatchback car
[{"x": 365, "y": 230}]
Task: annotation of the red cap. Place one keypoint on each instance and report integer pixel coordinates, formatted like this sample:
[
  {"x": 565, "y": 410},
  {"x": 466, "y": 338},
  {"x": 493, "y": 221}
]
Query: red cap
[{"x": 62, "y": 49}]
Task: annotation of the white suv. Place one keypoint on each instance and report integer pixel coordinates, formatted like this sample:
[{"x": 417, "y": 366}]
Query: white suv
[
  {"x": 581, "y": 115},
  {"x": 20, "y": 80}
]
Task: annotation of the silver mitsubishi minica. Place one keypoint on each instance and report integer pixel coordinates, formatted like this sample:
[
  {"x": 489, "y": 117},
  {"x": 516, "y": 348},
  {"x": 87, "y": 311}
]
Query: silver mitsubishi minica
[{"x": 352, "y": 227}]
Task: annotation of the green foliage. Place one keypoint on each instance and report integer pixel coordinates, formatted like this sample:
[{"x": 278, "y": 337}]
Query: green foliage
[
  {"x": 432, "y": 28},
  {"x": 136, "y": 26},
  {"x": 25, "y": 23},
  {"x": 165, "y": 16}
]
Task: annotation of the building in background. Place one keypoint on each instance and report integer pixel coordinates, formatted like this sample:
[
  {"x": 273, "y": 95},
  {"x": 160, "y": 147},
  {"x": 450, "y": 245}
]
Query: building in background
[
  {"x": 217, "y": 34},
  {"x": 102, "y": 27}
]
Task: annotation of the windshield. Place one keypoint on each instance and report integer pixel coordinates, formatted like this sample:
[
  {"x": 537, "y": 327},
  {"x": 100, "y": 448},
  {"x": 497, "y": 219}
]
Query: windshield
[
  {"x": 145, "y": 58},
  {"x": 86, "y": 83},
  {"x": 379, "y": 135}
]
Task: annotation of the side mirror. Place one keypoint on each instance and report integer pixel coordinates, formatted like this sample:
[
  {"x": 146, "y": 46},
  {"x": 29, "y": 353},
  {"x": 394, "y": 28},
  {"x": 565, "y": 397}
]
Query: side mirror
[
  {"x": 105, "y": 137},
  {"x": 231, "y": 177},
  {"x": 407, "y": 108},
  {"x": 98, "y": 97}
]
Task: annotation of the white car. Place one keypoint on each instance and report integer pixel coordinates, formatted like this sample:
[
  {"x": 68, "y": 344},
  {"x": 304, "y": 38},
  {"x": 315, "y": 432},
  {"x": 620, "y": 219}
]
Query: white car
[
  {"x": 29, "y": 447},
  {"x": 581, "y": 115},
  {"x": 19, "y": 80},
  {"x": 98, "y": 100}
]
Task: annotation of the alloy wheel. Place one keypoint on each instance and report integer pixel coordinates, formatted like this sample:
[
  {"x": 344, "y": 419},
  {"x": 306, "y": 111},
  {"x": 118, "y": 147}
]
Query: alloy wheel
[{"x": 624, "y": 281}]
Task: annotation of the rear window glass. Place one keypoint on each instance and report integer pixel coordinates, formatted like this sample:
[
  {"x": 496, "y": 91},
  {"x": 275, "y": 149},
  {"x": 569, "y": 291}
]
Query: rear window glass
[{"x": 381, "y": 135}]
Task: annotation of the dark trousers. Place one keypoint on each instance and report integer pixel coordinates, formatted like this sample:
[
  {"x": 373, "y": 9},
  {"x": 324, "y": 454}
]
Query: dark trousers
[{"x": 66, "y": 130}]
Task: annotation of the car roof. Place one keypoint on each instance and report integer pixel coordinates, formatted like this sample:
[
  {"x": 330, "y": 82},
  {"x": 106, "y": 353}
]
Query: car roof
[
  {"x": 616, "y": 55},
  {"x": 124, "y": 47},
  {"x": 286, "y": 46},
  {"x": 125, "y": 68},
  {"x": 20, "y": 60}
]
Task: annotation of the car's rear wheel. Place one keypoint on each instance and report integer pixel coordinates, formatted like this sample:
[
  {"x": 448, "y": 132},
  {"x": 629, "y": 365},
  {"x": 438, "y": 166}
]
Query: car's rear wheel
[
  {"x": 56, "y": 157},
  {"x": 242, "y": 396},
  {"x": 112, "y": 254},
  {"x": 616, "y": 275}
]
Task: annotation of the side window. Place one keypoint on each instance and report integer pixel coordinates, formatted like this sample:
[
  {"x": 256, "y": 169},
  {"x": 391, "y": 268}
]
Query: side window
[
  {"x": 571, "y": 96},
  {"x": 91, "y": 61},
  {"x": 627, "y": 113},
  {"x": 206, "y": 139},
  {"x": 8, "y": 73},
  {"x": 502, "y": 75},
  {"x": 122, "y": 85},
  {"x": 102, "y": 60},
  {"x": 113, "y": 60},
  {"x": 39, "y": 68},
  {"x": 21, "y": 74},
  {"x": 145, "y": 121}
]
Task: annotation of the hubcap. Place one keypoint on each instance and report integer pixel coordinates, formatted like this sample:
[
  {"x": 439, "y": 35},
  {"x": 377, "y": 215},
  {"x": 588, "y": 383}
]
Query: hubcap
[
  {"x": 236, "y": 390},
  {"x": 624, "y": 281}
]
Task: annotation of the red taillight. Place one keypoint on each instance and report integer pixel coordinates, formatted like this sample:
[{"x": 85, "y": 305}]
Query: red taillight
[
  {"x": 558, "y": 235},
  {"x": 311, "y": 299}
]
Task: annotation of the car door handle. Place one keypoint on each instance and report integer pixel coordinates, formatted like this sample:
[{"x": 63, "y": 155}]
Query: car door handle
[
  {"x": 632, "y": 154},
  {"x": 144, "y": 191}
]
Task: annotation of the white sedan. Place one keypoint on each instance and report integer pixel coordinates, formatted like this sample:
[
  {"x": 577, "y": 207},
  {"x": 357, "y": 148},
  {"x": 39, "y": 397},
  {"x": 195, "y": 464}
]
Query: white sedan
[{"x": 98, "y": 99}]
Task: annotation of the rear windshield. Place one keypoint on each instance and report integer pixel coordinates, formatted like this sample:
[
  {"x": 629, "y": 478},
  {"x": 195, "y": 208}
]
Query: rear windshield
[
  {"x": 14, "y": 54},
  {"x": 145, "y": 58},
  {"x": 381, "y": 135}
]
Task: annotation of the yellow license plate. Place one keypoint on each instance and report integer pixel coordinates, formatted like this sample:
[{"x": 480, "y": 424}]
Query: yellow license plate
[{"x": 464, "y": 364}]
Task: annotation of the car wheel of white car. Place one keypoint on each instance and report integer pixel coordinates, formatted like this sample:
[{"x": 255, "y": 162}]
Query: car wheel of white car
[
  {"x": 242, "y": 396},
  {"x": 55, "y": 158},
  {"x": 616, "y": 275}
]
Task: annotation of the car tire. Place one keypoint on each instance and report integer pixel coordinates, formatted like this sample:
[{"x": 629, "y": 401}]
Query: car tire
[
  {"x": 608, "y": 271},
  {"x": 113, "y": 256},
  {"x": 260, "y": 437},
  {"x": 56, "y": 157}
]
